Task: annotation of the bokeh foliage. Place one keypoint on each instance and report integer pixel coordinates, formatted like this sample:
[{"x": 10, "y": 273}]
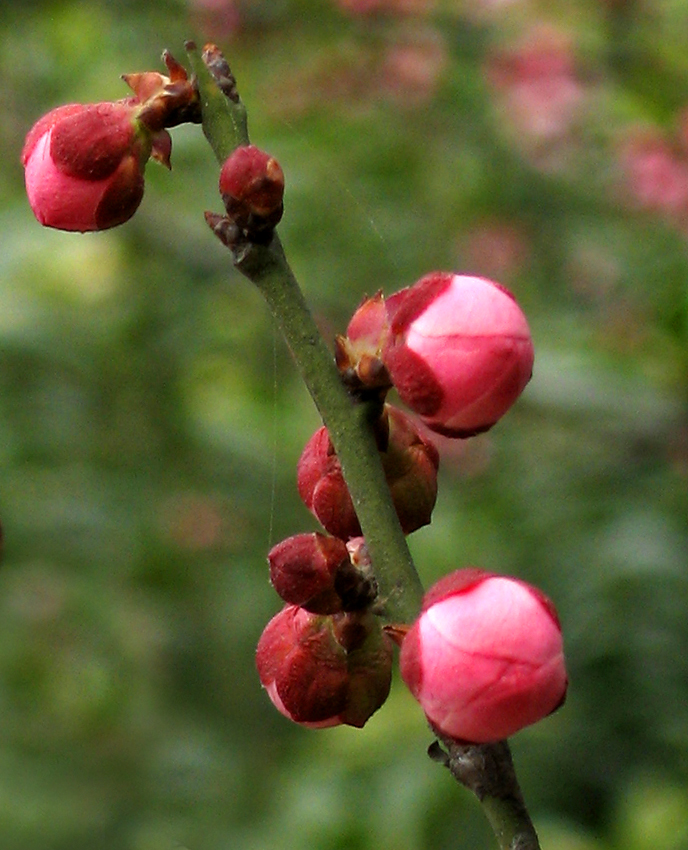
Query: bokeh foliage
[{"x": 151, "y": 419}]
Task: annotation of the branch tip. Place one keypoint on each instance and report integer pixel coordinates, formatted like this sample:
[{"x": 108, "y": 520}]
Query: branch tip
[{"x": 215, "y": 62}]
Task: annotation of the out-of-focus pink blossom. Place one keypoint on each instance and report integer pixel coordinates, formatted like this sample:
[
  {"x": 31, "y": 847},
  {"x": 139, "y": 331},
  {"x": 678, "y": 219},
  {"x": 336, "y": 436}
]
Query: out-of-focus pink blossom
[
  {"x": 656, "y": 175},
  {"x": 217, "y": 19},
  {"x": 459, "y": 351},
  {"x": 485, "y": 658},
  {"x": 412, "y": 68},
  {"x": 537, "y": 86},
  {"x": 495, "y": 248},
  {"x": 393, "y": 7}
]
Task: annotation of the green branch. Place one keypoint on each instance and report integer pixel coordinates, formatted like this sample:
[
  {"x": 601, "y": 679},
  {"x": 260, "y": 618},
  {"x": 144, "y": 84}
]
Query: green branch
[
  {"x": 224, "y": 123},
  {"x": 487, "y": 770}
]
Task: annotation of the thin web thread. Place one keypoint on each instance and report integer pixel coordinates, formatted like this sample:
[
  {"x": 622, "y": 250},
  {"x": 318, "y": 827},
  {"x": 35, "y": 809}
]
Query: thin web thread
[{"x": 342, "y": 187}]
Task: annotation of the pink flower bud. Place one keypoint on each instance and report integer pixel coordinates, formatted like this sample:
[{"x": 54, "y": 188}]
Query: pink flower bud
[
  {"x": 410, "y": 463},
  {"x": 252, "y": 189},
  {"x": 324, "y": 671},
  {"x": 485, "y": 657},
  {"x": 459, "y": 351},
  {"x": 303, "y": 571},
  {"x": 358, "y": 354},
  {"x": 84, "y": 165}
]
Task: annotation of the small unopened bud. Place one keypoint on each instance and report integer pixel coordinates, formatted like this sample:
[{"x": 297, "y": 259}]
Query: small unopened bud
[
  {"x": 323, "y": 671},
  {"x": 358, "y": 354},
  {"x": 459, "y": 351},
  {"x": 303, "y": 571},
  {"x": 322, "y": 487},
  {"x": 410, "y": 462},
  {"x": 485, "y": 657},
  {"x": 252, "y": 189}
]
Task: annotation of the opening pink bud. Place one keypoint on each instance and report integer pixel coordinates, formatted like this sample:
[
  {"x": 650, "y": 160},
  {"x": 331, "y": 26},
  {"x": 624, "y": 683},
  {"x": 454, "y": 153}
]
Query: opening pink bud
[
  {"x": 459, "y": 351},
  {"x": 485, "y": 658},
  {"x": 84, "y": 166},
  {"x": 324, "y": 671}
]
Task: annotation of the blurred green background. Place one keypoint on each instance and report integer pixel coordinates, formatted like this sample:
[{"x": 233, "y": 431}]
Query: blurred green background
[{"x": 151, "y": 419}]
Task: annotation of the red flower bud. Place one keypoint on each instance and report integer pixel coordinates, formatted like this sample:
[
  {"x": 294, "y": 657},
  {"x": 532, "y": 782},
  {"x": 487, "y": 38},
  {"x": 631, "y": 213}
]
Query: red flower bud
[
  {"x": 322, "y": 487},
  {"x": 84, "y": 165},
  {"x": 324, "y": 671},
  {"x": 410, "y": 464},
  {"x": 459, "y": 351},
  {"x": 485, "y": 657},
  {"x": 303, "y": 571},
  {"x": 252, "y": 189}
]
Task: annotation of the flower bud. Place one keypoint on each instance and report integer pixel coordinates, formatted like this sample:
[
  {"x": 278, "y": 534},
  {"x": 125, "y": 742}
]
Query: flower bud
[
  {"x": 252, "y": 189},
  {"x": 409, "y": 461},
  {"x": 358, "y": 354},
  {"x": 459, "y": 351},
  {"x": 303, "y": 571},
  {"x": 84, "y": 165},
  {"x": 485, "y": 657},
  {"x": 322, "y": 487},
  {"x": 324, "y": 671}
]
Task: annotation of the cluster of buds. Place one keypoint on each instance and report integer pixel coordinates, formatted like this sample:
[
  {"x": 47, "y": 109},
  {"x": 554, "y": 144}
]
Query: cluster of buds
[
  {"x": 485, "y": 657},
  {"x": 324, "y": 659},
  {"x": 84, "y": 163}
]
